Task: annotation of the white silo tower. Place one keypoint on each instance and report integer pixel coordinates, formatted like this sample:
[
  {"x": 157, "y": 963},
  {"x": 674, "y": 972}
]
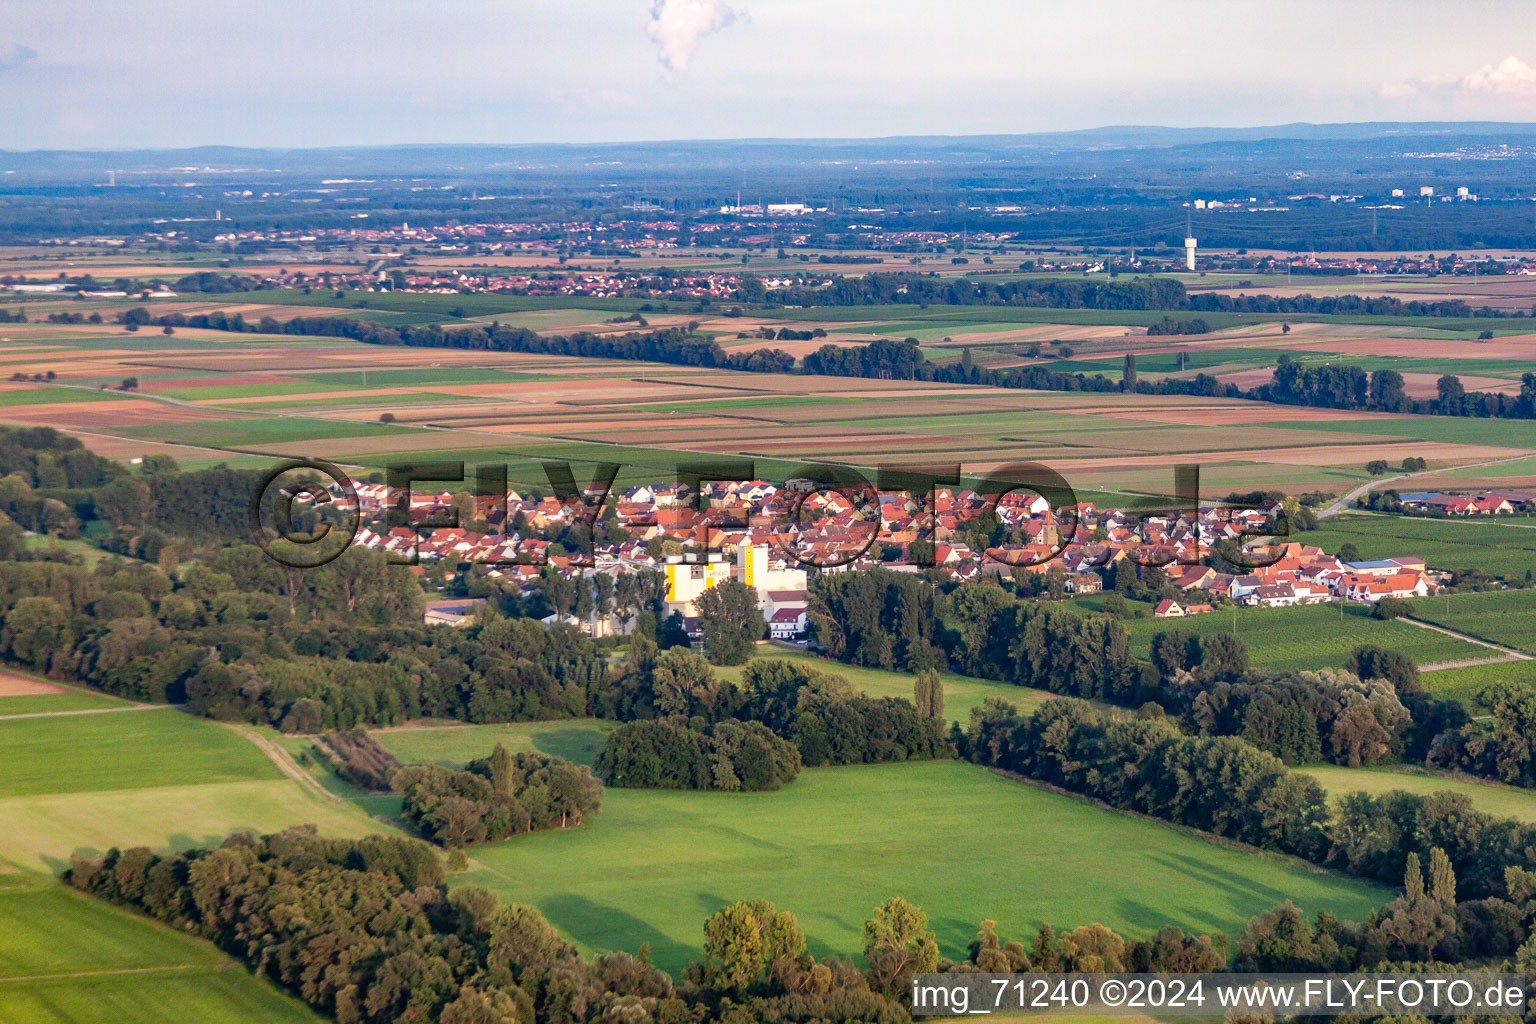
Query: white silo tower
[{"x": 1189, "y": 242}]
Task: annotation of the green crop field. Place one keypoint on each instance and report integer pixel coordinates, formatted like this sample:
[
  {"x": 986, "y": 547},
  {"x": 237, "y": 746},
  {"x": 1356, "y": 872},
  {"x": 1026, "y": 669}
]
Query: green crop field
[
  {"x": 45, "y": 703},
  {"x": 1444, "y": 429},
  {"x": 960, "y": 842},
  {"x": 81, "y": 783},
  {"x": 961, "y": 693},
  {"x": 1504, "y": 616},
  {"x": 69, "y": 959},
  {"x": 1490, "y": 798},
  {"x": 1464, "y": 684},
  {"x": 1308, "y": 637},
  {"x": 48, "y": 395},
  {"x": 258, "y": 430},
  {"x": 1488, "y": 546},
  {"x": 453, "y": 746},
  {"x": 122, "y": 750}
]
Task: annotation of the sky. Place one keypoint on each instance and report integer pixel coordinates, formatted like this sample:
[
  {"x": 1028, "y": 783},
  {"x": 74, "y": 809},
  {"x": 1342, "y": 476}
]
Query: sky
[{"x": 110, "y": 74}]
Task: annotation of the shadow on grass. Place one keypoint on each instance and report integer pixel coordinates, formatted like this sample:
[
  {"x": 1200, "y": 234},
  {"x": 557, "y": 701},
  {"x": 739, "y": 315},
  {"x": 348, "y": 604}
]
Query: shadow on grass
[
  {"x": 574, "y": 743},
  {"x": 602, "y": 927}
]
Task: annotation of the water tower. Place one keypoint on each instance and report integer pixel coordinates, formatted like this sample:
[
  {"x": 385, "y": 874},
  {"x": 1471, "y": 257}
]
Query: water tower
[{"x": 1189, "y": 243}]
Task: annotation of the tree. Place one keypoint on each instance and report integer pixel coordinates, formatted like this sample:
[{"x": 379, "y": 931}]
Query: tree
[
  {"x": 1442, "y": 879},
  {"x": 36, "y": 630},
  {"x": 1348, "y": 552},
  {"x": 897, "y": 945},
  {"x": 682, "y": 683},
  {"x": 730, "y": 621},
  {"x": 1376, "y": 467},
  {"x": 1413, "y": 879},
  {"x": 1128, "y": 374},
  {"x": 742, "y": 941},
  {"x": 928, "y": 694},
  {"x": 386, "y": 417}
]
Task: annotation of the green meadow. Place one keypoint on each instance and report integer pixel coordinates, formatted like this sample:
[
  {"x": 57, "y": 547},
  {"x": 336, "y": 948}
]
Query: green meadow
[
  {"x": 961, "y": 693},
  {"x": 122, "y": 750},
  {"x": 955, "y": 839},
  {"x": 46, "y": 703},
  {"x": 453, "y": 746},
  {"x": 81, "y": 783},
  {"x": 69, "y": 959},
  {"x": 1488, "y": 797}
]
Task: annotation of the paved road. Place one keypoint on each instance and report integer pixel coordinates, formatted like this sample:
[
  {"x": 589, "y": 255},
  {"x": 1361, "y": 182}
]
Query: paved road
[
  {"x": 1507, "y": 653},
  {"x": 1344, "y": 502}
]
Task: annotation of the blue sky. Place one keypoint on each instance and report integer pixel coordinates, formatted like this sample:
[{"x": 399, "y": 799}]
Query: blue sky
[{"x": 129, "y": 73}]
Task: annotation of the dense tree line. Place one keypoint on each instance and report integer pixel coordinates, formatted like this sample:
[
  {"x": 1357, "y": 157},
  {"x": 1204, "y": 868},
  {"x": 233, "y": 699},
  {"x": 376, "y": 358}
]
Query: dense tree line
[
  {"x": 496, "y": 798},
  {"x": 830, "y": 723},
  {"x": 1226, "y": 786},
  {"x": 826, "y": 720},
  {"x": 1150, "y": 293},
  {"x": 668, "y": 753},
  {"x": 669, "y": 345},
  {"x": 366, "y": 930},
  {"x": 357, "y": 757},
  {"x": 239, "y": 637},
  {"x": 893, "y": 620},
  {"x": 1373, "y": 710},
  {"x": 1333, "y": 386},
  {"x": 1303, "y": 717},
  {"x": 1328, "y": 386},
  {"x": 50, "y": 483},
  {"x": 1502, "y": 747}
]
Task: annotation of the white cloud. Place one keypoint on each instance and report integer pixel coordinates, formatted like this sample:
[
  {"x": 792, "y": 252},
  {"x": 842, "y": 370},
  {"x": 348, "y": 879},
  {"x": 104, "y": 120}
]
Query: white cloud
[
  {"x": 1509, "y": 77},
  {"x": 14, "y": 55},
  {"x": 678, "y": 25}
]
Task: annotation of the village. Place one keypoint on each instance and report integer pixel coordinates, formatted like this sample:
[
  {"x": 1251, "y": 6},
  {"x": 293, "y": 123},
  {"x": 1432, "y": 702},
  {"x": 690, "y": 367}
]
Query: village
[{"x": 772, "y": 538}]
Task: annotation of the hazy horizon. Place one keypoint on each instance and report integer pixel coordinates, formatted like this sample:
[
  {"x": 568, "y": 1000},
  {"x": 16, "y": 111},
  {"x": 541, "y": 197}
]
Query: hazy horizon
[{"x": 178, "y": 73}]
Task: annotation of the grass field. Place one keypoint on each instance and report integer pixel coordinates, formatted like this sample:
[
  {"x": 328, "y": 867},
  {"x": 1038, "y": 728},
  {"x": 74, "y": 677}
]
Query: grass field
[
  {"x": 69, "y": 700},
  {"x": 960, "y": 842},
  {"x": 1490, "y": 547},
  {"x": 69, "y": 959},
  {"x": 1307, "y": 637},
  {"x": 961, "y": 693},
  {"x": 452, "y": 746},
  {"x": 126, "y": 750},
  {"x": 1490, "y": 798}
]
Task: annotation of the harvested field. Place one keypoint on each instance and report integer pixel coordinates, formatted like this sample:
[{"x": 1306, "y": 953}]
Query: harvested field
[
  {"x": 632, "y": 431},
  {"x": 1323, "y": 455},
  {"x": 423, "y": 441},
  {"x": 1245, "y": 413},
  {"x": 13, "y": 684},
  {"x": 93, "y": 415},
  {"x": 1518, "y": 347},
  {"x": 124, "y": 448}
]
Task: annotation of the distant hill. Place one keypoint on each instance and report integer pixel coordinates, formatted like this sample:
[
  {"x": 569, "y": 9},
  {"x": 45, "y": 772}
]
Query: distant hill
[{"x": 941, "y": 149}]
